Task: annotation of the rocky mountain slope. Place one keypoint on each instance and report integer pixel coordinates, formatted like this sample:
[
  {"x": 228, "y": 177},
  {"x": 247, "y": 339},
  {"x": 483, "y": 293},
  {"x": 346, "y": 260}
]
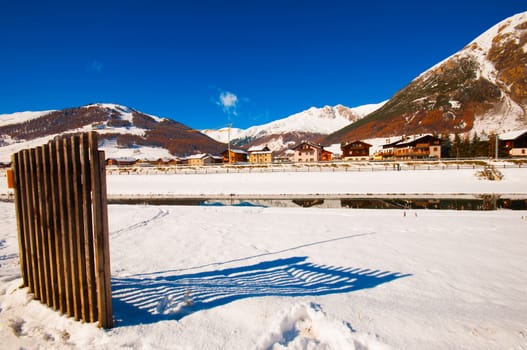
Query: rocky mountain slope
[
  {"x": 482, "y": 88},
  {"x": 124, "y": 131}
]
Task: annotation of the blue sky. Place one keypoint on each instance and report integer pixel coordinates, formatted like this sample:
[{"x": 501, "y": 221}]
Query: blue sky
[{"x": 210, "y": 63}]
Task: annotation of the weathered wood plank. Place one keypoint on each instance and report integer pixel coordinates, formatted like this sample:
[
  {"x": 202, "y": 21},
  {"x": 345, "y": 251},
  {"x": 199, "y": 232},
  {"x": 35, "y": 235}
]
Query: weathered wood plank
[
  {"x": 88, "y": 229},
  {"x": 57, "y": 259},
  {"x": 65, "y": 224},
  {"x": 18, "y": 194},
  {"x": 50, "y": 237},
  {"x": 36, "y": 242},
  {"x": 72, "y": 234},
  {"x": 106, "y": 244},
  {"x": 44, "y": 203},
  {"x": 28, "y": 221},
  {"x": 79, "y": 228},
  {"x": 103, "y": 283},
  {"x": 41, "y": 232}
]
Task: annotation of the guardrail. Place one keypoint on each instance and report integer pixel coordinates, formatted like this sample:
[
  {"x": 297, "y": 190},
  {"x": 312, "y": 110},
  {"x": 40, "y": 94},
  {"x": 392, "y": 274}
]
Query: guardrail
[{"x": 305, "y": 167}]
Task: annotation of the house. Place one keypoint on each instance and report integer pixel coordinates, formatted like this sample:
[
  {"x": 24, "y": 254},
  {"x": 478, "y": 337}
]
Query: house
[
  {"x": 260, "y": 155},
  {"x": 356, "y": 150},
  {"x": 121, "y": 161},
  {"x": 515, "y": 142},
  {"x": 425, "y": 146},
  {"x": 152, "y": 162},
  {"x": 202, "y": 159},
  {"x": 388, "y": 149},
  {"x": 308, "y": 151},
  {"x": 173, "y": 161},
  {"x": 236, "y": 156}
]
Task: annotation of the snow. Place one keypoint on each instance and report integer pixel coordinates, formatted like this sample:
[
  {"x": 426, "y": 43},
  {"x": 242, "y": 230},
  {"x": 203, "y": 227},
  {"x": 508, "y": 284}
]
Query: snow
[
  {"x": 512, "y": 134},
  {"x": 110, "y": 147},
  {"x": 223, "y": 135},
  {"x": 20, "y": 117},
  {"x": 323, "y": 120},
  {"x": 451, "y": 181},
  {"x": 294, "y": 278},
  {"x": 126, "y": 112},
  {"x": 507, "y": 115}
]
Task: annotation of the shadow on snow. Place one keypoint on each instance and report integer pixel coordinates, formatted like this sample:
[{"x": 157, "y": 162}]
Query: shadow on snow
[{"x": 141, "y": 299}]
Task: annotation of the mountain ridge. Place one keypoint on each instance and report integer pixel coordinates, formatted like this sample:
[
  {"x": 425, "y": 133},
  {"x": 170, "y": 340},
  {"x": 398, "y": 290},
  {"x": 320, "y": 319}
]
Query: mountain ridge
[
  {"x": 310, "y": 124},
  {"x": 482, "y": 88},
  {"x": 123, "y": 131}
]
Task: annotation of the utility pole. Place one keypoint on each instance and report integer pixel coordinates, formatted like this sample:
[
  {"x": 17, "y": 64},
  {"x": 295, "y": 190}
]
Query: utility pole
[
  {"x": 229, "y": 142},
  {"x": 496, "y": 146}
]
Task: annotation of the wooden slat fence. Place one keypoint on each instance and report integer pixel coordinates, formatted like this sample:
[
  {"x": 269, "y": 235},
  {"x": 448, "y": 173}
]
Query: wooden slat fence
[{"x": 61, "y": 208}]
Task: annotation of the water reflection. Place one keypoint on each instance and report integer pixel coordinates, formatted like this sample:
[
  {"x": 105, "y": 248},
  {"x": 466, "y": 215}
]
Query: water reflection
[{"x": 482, "y": 202}]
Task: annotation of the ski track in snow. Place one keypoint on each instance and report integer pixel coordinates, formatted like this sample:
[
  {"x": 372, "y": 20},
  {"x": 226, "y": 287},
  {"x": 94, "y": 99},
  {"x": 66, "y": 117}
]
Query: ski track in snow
[{"x": 161, "y": 213}]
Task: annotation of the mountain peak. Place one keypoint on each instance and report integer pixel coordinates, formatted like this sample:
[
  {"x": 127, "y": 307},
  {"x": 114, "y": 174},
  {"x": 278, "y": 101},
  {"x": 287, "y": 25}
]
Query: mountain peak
[
  {"x": 311, "y": 124},
  {"x": 123, "y": 131},
  {"x": 481, "y": 88}
]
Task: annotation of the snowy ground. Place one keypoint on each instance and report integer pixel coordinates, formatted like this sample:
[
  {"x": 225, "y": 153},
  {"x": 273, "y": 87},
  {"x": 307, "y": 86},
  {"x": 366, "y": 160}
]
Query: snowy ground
[
  {"x": 275, "y": 278},
  {"x": 378, "y": 182}
]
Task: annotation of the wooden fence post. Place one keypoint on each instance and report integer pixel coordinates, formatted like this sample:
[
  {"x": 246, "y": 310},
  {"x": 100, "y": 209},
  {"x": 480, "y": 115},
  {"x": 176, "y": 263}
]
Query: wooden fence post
[{"x": 62, "y": 222}]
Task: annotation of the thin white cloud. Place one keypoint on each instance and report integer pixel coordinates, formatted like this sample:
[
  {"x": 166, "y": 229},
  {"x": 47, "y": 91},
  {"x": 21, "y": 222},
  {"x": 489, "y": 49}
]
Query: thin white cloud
[
  {"x": 228, "y": 102},
  {"x": 95, "y": 66}
]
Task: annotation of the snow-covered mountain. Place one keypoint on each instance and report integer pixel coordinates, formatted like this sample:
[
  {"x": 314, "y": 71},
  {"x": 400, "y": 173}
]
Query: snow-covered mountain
[
  {"x": 309, "y": 124},
  {"x": 482, "y": 88},
  {"x": 124, "y": 132}
]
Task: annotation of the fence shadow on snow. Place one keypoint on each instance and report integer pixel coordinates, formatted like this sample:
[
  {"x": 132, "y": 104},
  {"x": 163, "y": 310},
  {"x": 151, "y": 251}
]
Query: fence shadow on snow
[{"x": 141, "y": 299}]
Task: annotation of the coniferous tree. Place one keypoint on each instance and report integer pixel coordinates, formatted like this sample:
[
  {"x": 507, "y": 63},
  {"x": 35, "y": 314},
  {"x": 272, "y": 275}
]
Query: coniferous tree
[
  {"x": 446, "y": 146},
  {"x": 479, "y": 147},
  {"x": 456, "y": 147},
  {"x": 465, "y": 147}
]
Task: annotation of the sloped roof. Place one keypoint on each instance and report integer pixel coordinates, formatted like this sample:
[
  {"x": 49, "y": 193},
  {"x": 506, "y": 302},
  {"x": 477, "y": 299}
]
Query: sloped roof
[
  {"x": 239, "y": 151},
  {"x": 199, "y": 156},
  {"x": 312, "y": 144},
  {"x": 512, "y": 135},
  {"x": 355, "y": 142},
  {"x": 258, "y": 149}
]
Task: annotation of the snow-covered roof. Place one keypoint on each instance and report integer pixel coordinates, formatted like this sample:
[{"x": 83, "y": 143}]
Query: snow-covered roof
[
  {"x": 512, "y": 135},
  {"x": 312, "y": 144},
  {"x": 199, "y": 156},
  {"x": 124, "y": 159},
  {"x": 259, "y": 149},
  {"x": 239, "y": 151}
]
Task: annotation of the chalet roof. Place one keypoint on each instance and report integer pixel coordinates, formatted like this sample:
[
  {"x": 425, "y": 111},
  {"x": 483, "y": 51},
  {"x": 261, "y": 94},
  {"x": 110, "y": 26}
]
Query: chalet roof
[
  {"x": 392, "y": 144},
  {"x": 411, "y": 141},
  {"x": 239, "y": 151},
  {"x": 512, "y": 135},
  {"x": 199, "y": 156},
  {"x": 258, "y": 149},
  {"x": 123, "y": 159},
  {"x": 312, "y": 144},
  {"x": 355, "y": 142}
]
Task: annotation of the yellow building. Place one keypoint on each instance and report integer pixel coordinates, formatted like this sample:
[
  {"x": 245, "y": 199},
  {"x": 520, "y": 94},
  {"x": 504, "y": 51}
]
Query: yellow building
[{"x": 259, "y": 155}]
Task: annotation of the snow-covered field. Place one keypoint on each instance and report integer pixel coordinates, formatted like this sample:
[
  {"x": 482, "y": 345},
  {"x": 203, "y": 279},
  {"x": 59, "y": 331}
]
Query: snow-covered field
[
  {"x": 277, "y": 278},
  {"x": 366, "y": 182}
]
